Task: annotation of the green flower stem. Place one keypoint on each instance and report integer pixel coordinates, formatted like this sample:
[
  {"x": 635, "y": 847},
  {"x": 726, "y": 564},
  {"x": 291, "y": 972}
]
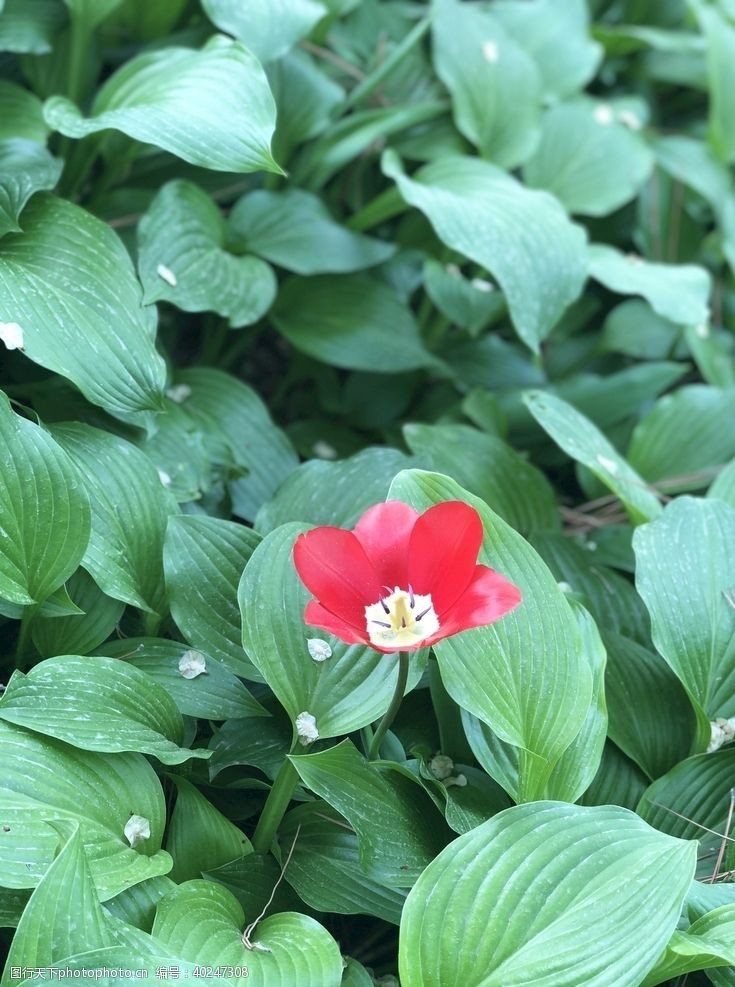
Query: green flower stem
[
  {"x": 23, "y": 649},
  {"x": 390, "y": 713},
  {"x": 275, "y": 807}
]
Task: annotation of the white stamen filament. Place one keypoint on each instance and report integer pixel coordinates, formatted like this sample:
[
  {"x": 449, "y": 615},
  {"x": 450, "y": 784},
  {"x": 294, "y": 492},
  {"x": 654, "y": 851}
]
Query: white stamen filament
[{"x": 400, "y": 620}]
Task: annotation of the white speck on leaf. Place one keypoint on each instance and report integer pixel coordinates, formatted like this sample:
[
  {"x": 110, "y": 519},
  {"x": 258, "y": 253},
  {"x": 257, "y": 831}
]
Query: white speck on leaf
[
  {"x": 608, "y": 464},
  {"x": 318, "y": 649},
  {"x": 306, "y": 729},
  {"x": 12, "y": 335},
  {"x": 603, "y": 115},
  {"x": 480, "y": 284},
  {"x": 702, "y": 330},
  {"x": 167, "y": 275},
  {"x": 630, "y": 119},
  {"x": 565, "y": 587},
  {"x": 179, "y": 393},
  {"x": 137, "y": 829},
  {"x": 490, "y": 51},
  {"x": 324, "y": 450},
  {"x": 191, "y": 664},
  {"x": 164, "y": 478}
]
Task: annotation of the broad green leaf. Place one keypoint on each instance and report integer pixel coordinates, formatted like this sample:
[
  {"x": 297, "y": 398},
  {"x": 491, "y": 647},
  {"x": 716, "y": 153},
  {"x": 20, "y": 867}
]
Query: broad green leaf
[
  {"x": 215, "y": 694},
  {"x": 78, "y": 634},
  {"x": 588, "y": 159},
  {"x": 130, "y": 509},
  {"x": 557, "y": 37},
  {"x": 253, "y": 879},
  {"x": 351, "y": 321},
  {"x": 30, "y": 26},
  {"x": 230, "y": 409},
  {"x": 137, "y": 905},
  {"x": 724, "y": 485},
  {"x": 325, "y": 866},
  {"x": 203, "y": 559},
  {"x": 582, "y": 895},
  {"x": 527, "y": 676},
  {"x": 619, "y": 781},
  {"x": 50, "y": 930},
  {"x": 97, "y": 704},
  {"x": 397, "y": 830},
  {"x": 44, "y": 780},
  {"x": 712, "y": 351},
  {"x": 12, "y": 906},
  {"x": 44, "y": 511},
  {"x": 681, "y": 444},
  {"x": 182, "y": 260},
  {"x": 202, "y": 922},
  {"x": 490, "y": 469},
  {"x": 651, "y": 718},
  {"x": 199, "y": 838},
  {"x": 91, "y": 13},
  {"x": 634, "y": 329},
  {"x": 306, "y": 98},
  {"x": 694, "y": 163},
  {"x": 583, "y": 441},
  {"x": 69, "y": 284},
  {"x": 719, "y": 35},
  {"x": 469, "y": 304},
  {"x": 678, "y": 292},
  {"x": 709, "y": 942},
  {"x": 683, "y": 572},
  {"x": 495, "y": 86},
  {"x": 21, "y": 113},
  {"x": 25, "y": 168},
  {"x": 486, "y": 215},
  {"x": 355, "y": 974},
  {"x": 320, "y": 492},
  {"x": 284, "y": 226},
  {"x": 259, "y": 743},
  {"x": 213, "y": 107},
  {"x": 351, "y": 688},
  {"x": 268, "y": 27}
]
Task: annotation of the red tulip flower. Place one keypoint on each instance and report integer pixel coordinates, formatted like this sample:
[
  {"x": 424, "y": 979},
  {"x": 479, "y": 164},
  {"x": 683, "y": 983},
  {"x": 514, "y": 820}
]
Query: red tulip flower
[{"x": 401, "y": 580}]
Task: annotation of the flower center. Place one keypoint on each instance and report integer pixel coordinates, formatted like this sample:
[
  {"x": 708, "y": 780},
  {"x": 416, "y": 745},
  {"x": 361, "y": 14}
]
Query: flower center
[{"x": 403, "y": 618}]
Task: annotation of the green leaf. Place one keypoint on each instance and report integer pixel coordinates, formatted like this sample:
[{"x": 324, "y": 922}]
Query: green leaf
[
  {"x": 651, "y": 718},
  {"x": 320, "y": 492},
  {"x": 619, "y": 781},
  {"x": 30, "y": 26},
  {"x": 91, "y": 13},
  {"x": 696, "y": 165},
  {"x": 325, "y": 866},
  {"x": 44, "y": 511},
  {"x": 202, "y": 922},
  {"x": 130, "y": 510},
  {"x": 490, "y": 469},
  {"x": 97, "y": 704},
  {"x": 681, "y": 441},
  {"x": 68, "y": 282},
  {"x": 12, "y": 906},
  {"x": 539, "y": 704},
  {"x": 181, "y": 259},
  {"x": 707, "y": 943},
  {"x": 258, "y": 743},
  {"x": 284, "y": 226},
  {"x": 44, "y": 780},
  {"x": 583, "y": 441},
  {"x": 678, "y": 292},
  {"x": 268, "y": 27},
  {"x": 216, "y": 694},
  {"x": 724, "y": 485},
  {"x": 199, "y": 838},
  {"x": 233, "y": 411},
  {"x": 348, "y": 690},
  {"x": 78, "y": 634},
  {"x": 25, "y": 168},
  {"x": 495, "y": 85},
  {"x": 137, "y": 905},
  {"x": 719, "y": 36},
  {"x": 351, "y": 321},
  {"x": 683, "y": 571},
  {"x": 479, "y": 210},
  {"x": 588, "y": 159},
  {"x": 306, "y": 98},
  {"x": 469, "y": 304},
  {"x": 634, "y": 329},
  {"x": 203, "y": 559},
  {"x": 397, "y": 829},
  {"x": 226, "y": 125},
  {"x": 582, "y": 895},
  {"x": 21, "y": 112}
]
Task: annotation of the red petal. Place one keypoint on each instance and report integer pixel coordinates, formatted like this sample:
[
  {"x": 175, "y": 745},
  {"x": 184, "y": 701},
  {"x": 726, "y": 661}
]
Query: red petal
[
  {"x": 333, "y": 566},
  {"x": 442, "y": 552},
  {"x": 316, "y": 616},
  {"x": 489, "y": 597},
  {"x": 384, "y": 532}
]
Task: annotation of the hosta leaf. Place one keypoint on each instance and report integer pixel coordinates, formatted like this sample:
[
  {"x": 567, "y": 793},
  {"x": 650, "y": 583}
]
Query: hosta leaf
[
  {"x": 583, "y": 441},
  {"x": 478, "y": 210},
  {"x": 678, "y": 292},
  {"x": 565, "y": 884},
  {"x": 130, "y": 509},
  {"x": 30, "y": 26},
  {"x": 719, "y": 34},
  {"x": 44, "y": 511},
  {"x": 724, "y": 485},
  {"x": 470, "y": 304},
  {"x": 203, "y": 560},
  {"x": 283, "y": 227},
  {"x": 397, "y": 829},
  {"x": 683, "y": 572},
  {"x": 351, "y": 688},
  {"x": 495, "y": 85},
  {"x": 202, "y": 922},
  {"x": 78, "y": 634},
  {"x": 540, "y": 703},
  {"x": 91, "y": 13},
  {"x": 215, "y": 694},
  {"x": 25, "y": 168},
  {"x": 68, "y": 282},
  {"x": 181, "y": 259},
  {"x": 137, "y": 905},
  {"x": 97, "y": 704},
  {"x": 212, "y": 107},
  {"x": 44, "y": 780},
  {"x": 351, "y": 321},
  {"x": 708, "y": 942},
  {"x": 306, "y": 98},
  {"x": 268, "y": 27},
  {"x": 694, "y": 163},
  {"x": 259, "y": 743},
  {"x": 619, "y": 781},
  {"x": 589, "y": 160},
  {"x": 21, "y": 112}
]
